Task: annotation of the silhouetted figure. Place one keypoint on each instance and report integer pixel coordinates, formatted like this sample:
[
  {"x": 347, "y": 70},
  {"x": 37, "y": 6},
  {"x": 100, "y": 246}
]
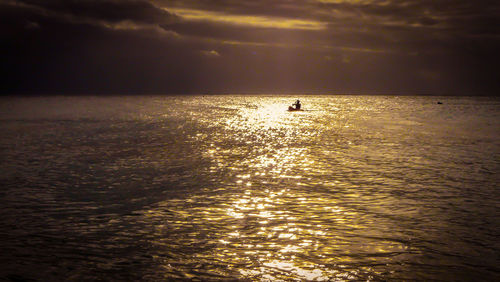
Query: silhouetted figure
[{"x": 297, "y": 105}]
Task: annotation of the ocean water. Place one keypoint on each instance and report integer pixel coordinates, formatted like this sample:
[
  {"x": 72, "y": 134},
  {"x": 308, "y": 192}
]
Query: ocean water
[{"x": 235, "y": 187}]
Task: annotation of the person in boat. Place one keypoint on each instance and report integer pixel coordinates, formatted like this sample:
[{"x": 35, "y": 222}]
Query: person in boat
[{"x": 297, "y": 105}]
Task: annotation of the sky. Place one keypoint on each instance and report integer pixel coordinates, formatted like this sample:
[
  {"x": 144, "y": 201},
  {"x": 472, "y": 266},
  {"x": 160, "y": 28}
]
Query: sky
[{"x": 414, "y": 47}]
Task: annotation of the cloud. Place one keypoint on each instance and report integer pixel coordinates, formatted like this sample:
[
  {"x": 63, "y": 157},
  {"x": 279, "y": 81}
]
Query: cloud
[
  {"x": 247, "y": 20},
  {"x": 51, "y": 49},
  {"x": 132, "y": 14},
  {"x": 210, "y": 53},
  {"x": 387, "y": 26},
  {"x": 107, "y": 10},
  {"x": 163, "y": 46},
  {"x": 32, "y": 25}
]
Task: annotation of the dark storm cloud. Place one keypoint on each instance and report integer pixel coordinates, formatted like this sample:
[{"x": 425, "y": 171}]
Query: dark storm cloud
[
  {"x": 393, "y": 25},
  {"x": 106, "y": 10},
  {"x": 448, "y": 14},
  {"x": 162, "y": 46},
  {"x": 82, "y": 47}
]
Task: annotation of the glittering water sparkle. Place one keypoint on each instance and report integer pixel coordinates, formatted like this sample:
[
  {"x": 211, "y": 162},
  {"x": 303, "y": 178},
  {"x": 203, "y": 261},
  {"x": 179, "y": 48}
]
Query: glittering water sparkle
[{"x": 212, "y": 187}]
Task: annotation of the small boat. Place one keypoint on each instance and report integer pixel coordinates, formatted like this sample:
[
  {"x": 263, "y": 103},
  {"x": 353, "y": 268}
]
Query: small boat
[{"x": 297, "y": 106}]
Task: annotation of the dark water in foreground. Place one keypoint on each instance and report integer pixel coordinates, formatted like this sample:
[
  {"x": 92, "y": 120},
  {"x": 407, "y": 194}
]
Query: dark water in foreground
[{"x": 157, "y": 188}]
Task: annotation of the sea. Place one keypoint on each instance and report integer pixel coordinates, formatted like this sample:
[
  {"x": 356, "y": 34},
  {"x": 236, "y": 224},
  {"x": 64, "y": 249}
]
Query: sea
[{"x": 236, "y": 188}]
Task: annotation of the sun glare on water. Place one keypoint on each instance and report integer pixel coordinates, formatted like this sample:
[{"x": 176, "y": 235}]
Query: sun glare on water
[
  {"x": 264, "y": 230},
  {"x": 272, "y": 211}
]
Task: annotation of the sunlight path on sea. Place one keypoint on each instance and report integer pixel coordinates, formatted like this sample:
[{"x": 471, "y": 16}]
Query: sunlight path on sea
[{"x": 273, "y": 212}]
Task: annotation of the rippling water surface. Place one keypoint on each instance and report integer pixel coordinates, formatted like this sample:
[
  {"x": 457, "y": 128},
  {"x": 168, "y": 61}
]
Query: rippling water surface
[{"x": 236, "y": 187}]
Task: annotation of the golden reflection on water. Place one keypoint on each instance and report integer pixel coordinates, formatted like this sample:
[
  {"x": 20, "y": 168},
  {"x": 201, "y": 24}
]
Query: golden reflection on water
[
  {"x": 272, "y": 217},
  {"x": 279, "y": 236}
]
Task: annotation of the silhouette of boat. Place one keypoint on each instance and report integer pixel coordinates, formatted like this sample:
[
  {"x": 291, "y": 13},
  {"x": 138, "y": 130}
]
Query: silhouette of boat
[{"x": 292, "y": 109}]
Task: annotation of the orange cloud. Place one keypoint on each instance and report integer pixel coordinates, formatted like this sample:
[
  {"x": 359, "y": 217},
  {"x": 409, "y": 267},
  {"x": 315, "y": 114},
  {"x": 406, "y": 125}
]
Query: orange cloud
[{"x": 256, "y": 21}]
